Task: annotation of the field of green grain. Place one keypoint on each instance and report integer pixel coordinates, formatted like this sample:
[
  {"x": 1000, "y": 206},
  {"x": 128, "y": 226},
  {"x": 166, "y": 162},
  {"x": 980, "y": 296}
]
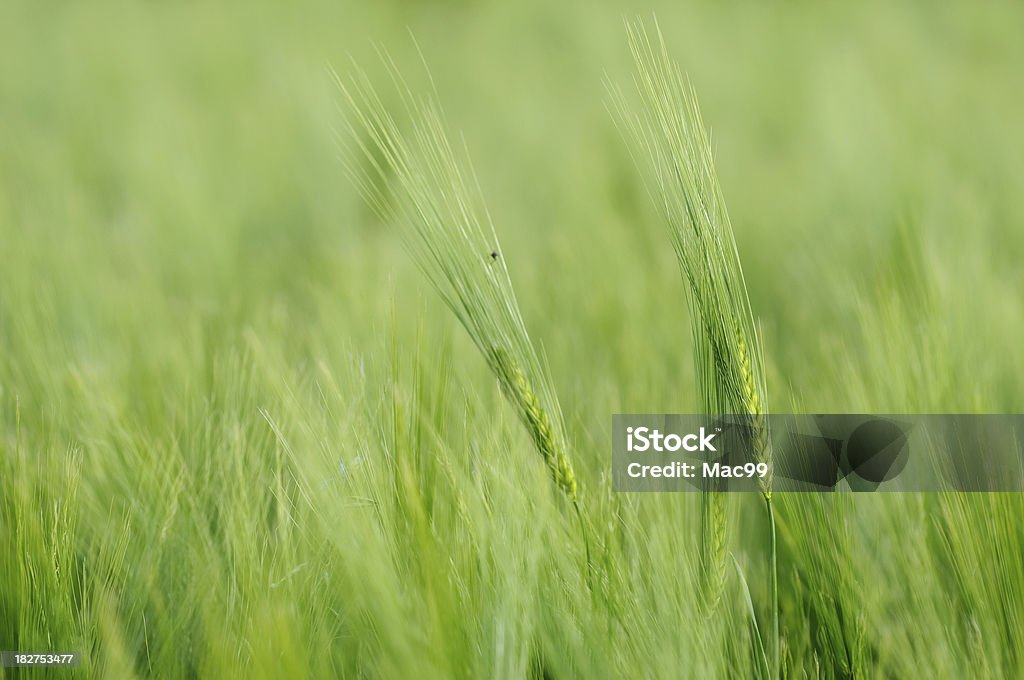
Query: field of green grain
[{"x": 241, "y": 435}]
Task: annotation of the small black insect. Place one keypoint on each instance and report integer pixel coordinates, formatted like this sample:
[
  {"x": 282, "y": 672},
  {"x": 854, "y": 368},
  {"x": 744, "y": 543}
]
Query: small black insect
[{"x": 494, "y": 254}]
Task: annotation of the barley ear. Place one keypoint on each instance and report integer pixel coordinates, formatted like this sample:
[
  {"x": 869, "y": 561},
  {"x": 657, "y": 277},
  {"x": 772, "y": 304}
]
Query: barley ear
[
  {"x": 430, "y": 191},
  {"x": 753, "y": 407},
  {"x": 714, "y": 548},
  {"x": 673, "y": 148},
  {"x": 518, "y": 390}
]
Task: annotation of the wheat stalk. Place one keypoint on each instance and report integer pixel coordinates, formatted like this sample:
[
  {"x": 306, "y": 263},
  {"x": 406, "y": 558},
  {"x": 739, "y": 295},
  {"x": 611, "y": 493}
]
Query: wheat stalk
[
  {"x": 435, "y": 197},
  {"x": 668, "y": 134}
]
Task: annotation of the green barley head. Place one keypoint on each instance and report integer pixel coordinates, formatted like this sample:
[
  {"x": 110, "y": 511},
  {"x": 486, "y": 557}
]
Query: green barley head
[
  {"x": 670, "y": 142},
  {"x": 434, "y": 197}
]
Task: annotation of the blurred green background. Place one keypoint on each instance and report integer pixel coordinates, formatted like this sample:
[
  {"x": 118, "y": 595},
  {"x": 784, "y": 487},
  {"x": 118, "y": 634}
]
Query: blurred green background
[
  {"x": 180, "y": 245},
  {"x": 180, "y": 159}
]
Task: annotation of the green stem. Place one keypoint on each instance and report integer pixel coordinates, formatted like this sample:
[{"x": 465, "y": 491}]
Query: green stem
[
  {"x": 775, "y": 641},
  {"x": 586, "y": 545}
]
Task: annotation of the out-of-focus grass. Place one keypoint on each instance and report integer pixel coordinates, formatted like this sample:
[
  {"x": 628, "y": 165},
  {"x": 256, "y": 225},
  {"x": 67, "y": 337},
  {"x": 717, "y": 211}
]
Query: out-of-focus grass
[{"x": 251, "y": 443}]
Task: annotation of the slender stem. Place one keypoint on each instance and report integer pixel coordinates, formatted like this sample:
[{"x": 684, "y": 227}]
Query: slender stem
[
  {"x": 586, "y": 545},
  {"x": 775, "y": 642}
]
